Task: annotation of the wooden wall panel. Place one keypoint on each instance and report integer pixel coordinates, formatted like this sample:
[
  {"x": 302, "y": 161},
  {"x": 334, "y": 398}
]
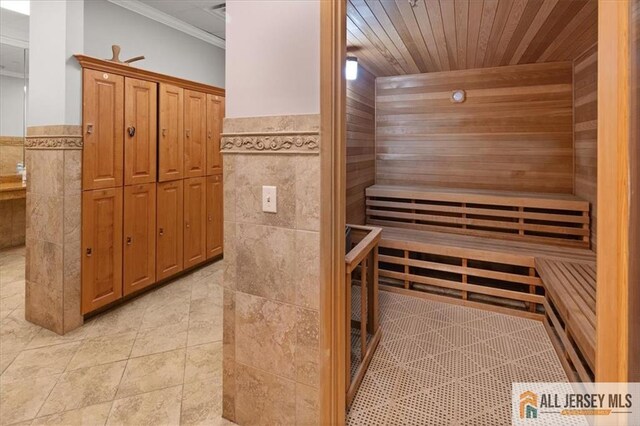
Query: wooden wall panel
[
  {"x": 395, "y": 38},
  {"x": 513, "y": 132},
  {"x": 360, "y": 143},
  {"x": 586, "y": 131}
]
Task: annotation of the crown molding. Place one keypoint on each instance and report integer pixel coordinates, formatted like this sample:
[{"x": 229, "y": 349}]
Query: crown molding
[{"x": 170, "y": 21}]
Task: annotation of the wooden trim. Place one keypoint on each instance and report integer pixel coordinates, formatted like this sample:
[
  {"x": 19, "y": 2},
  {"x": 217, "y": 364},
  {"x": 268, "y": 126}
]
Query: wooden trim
[
  {"x": 612, "y": 305},
  {"x": 132, "y": 72},
  {"x": 332, "y": 212}
]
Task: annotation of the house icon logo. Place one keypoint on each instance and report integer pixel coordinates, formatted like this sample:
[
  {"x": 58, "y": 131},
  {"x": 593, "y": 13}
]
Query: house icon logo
[{"x": 528, "y": 405}]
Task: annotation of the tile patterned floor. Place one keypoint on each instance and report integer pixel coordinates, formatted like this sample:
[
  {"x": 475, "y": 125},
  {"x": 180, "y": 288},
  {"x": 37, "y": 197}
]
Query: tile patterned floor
[
  {"x": 156, "y": 360},
  {"x": 440, "y": 364}
]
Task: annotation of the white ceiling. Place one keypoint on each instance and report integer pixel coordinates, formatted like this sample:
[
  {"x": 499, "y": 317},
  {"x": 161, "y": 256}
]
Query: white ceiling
[{"x": 194, "y": 12}]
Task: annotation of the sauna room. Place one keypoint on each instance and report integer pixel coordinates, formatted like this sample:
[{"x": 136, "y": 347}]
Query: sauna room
[{"x": 471, "y": 171}]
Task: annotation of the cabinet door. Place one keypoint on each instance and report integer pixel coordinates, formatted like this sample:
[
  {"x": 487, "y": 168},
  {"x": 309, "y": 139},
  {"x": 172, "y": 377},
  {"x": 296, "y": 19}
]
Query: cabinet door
[
  {"x": 101, "y": 248},
  {"x": 139, "y": 237},
  {"x": 140, "y": 121},
  {"x": 195, "y": 225},
  {"x": 169, "y": 248},
  {"x": 214, "y": 216},
  {"x": 195, "y": 133},
  {"x": 171, "y": 147},
  {"x": 215, "y": 115},
  {"x": 102, "y": 118}
]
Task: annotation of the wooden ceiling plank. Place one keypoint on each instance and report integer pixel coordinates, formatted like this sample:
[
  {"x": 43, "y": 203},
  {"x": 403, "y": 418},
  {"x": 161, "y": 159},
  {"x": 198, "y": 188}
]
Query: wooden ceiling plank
[
  {"x": 473, "y": 32},
  {"x": 406, "y": 12},
  {"x": 369, "y": 39},
  {"x": 391, "y": 31},
  {"x": 488, "y": 15},
  {"x": 583, "y": 41},
  {"x": 448, "y": 14},
  {"x": 529, "y": 14},
  {"x": 435, "y": 18},
  {"x": 499, "y": 23},
  {"x": 559, "y": 18},
  {"x": 537, "y": 23},
  {"x": 407, "y": 37},
  {"x": 354, "y": 14},
  {"x": 517, "y": 11},
  {"x": 580, "y": 23},
  {"x": 462, "y": 23},
  {"x": 368, "y": 50},
  {"x": 422, "y": 18}
]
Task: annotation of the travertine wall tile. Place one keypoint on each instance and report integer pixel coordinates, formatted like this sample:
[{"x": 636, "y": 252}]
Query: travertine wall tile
[
  {"x": 307, "y": 193},
  {"x": 307, "y": 406},
  {"x": 45, "y": 171},
  {"x": 72, "y": 171},
  {"x": 230, "y": 256},
  {"x": 307, "y": 269},
  {"x": 44, "y": 217},
  {"x": 307, "y": 355},
  {"x": 229, "y": 187},
  {"x": 9, "y": 157},
  {"x": 12, "y": 222}
]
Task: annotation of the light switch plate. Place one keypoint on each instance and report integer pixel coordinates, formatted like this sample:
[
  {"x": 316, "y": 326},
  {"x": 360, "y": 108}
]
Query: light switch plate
[{"x": 269, "y": 199}]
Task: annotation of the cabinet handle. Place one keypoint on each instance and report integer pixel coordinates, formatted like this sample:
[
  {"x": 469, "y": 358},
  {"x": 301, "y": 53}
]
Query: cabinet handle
[
  {"x": 164, "y": 132},
  {"x": 187, "y": 225},
  {"x": 89, "y": 129},
  {"x": 161, "y": 232},
  {"x": 131, "y": 130},
  {"x": 210, "y": 218},
  {"x": 209, "y": 135},
  {"x": 188, "y": 133},
  {"x": 89, "y": 252},
  {"x": 129, "y": 241}
]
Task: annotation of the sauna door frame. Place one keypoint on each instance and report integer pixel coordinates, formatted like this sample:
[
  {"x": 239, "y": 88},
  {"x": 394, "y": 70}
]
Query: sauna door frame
[{"x": 618, "y": 206}]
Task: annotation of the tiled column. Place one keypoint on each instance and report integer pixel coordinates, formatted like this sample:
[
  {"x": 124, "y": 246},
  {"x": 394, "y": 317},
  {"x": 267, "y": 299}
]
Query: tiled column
[
  {"x": 54, "y": 197},
  {"x": 271, "y": 277}
]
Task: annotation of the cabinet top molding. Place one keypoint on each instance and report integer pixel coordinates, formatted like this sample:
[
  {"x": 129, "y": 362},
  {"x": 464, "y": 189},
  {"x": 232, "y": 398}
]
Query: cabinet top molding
[{"x": 129, "y": 71}]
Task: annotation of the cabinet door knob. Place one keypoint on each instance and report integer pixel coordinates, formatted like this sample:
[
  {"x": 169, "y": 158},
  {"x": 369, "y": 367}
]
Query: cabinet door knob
[
  {"x": 131, "y": 130},
  {"x": 209, "y": 134},
  {"x": 89, "y": 129},
  {"x": 187, "y": 225},
  {"x": 210, "y": 218},
  {"x": 129, "y": 241},
  {"x": 164, "y": 132},
  {"x": 188, "y": 132},
  {"x": 161, "y": 232},
  {"x": 89, "y": 252}
]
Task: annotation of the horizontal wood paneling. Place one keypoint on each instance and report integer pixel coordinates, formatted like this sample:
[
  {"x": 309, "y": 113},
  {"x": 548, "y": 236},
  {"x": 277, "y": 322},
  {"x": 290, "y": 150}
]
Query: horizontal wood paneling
[
  {"x": 360, "y": 143},
  {"x": 586, "y": 130},
  {"x": 513, "y": 132},
  {"x": 392, "y": 37}
]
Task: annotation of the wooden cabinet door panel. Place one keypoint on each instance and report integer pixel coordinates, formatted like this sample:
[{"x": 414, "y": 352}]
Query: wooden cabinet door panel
[
  {"x": 215, "y": 115},
  {"x": 140, "y": 118},
  {"x": 102, "y": 117},
  {"x": 171, "y": 146},
  {"x": 195, "y": 133},
  {"x": 169, "y": 214},
  {"x": 195, "y": 207},
  {"x": 139, "y": 237},
  {"x": 214, "y": 216},
  {"x": 101, "y": 248}
]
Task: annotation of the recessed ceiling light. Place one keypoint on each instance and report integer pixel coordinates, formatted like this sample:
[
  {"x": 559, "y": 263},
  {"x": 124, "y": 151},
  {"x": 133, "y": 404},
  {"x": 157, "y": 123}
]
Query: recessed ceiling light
[{"x": 20, "y": 6}]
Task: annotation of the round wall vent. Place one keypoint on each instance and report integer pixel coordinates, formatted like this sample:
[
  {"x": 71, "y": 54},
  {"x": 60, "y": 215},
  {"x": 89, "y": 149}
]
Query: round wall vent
[{"x": 458, "y": 96}]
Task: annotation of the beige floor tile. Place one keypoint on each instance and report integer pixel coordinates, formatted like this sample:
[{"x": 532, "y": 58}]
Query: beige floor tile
[
  {"x": 40, "y": 362},
  {"x": 204, "y": 362},
  {"x": 121, "y": 319},
  {"x": 103, "y": 350},
  {"x": 205, "y": 320},
  {"x": 16, "y": 333},
  {"x": 201, "y": 403},
  {"x": 92, "y": 415},
  {"x": 176, "y": 312},
  {"x": 160, "y": 339},
  {"x": 48, "y": 338},
  {"x": 22, "y": 400},
  {"x": 160, "y": 407},
  {"x": 6, "y": 359},
  {"x": 152, "y": 372},
  {"x": 84, "y": 387}
]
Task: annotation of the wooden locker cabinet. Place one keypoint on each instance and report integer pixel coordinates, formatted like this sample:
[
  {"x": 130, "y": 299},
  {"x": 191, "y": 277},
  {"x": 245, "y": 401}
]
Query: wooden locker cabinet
[
  {"x": 215, "y": 115},
  {"x": 214, "y": 216},
  {"x": 139, "y": 245},
  {"x": 195, "y": 133},
  {"x": 169, "y": 232},
  {"x": 171, "y": 142},
  {"x": 101, "y": 248},
  {"x": 195, "y": 224},
  {"x": 140, "y": 131},
  {"x": 102, "y": 118}
]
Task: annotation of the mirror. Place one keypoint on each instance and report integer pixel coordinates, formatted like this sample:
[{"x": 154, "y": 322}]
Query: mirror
[{"x": 14, "y": 75}]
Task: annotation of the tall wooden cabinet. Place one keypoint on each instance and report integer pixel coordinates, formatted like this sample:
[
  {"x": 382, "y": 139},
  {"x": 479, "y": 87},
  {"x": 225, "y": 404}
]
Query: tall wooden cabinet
[{"x": 152, "y": 179}]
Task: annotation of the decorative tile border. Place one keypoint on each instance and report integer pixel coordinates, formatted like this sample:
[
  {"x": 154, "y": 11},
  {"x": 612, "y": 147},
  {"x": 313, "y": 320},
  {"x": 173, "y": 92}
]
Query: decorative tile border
[
  {"x": 11, "y": 141},
  {"x": 294, "y": 142},
  {"x": 54, "y": 137}
]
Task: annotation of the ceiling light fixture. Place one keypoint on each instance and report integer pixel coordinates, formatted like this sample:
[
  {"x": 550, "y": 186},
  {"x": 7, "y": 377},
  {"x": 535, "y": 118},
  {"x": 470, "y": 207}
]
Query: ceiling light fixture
[
  {"x": 351, "y": 71},
  {"x": 19, "y": 6}
]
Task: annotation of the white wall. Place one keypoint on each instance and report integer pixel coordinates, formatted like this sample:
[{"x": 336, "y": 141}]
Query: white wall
[
  {"x": 273, "y": 69},
  {"x": 11, "y": 106},
  {"x": 167, "y": 51}
]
